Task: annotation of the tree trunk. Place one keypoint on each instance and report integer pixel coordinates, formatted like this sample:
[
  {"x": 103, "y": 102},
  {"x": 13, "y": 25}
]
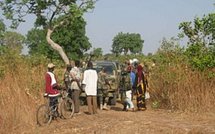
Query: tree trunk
[{"x": 56, "y": 47}]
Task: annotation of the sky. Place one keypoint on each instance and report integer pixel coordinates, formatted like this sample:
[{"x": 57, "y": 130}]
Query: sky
[{"x": 152, "y": 19}]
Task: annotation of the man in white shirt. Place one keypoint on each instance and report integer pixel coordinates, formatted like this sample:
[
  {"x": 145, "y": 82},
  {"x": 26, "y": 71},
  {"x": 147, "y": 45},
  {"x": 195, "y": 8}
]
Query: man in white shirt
[{"x": 90, "y": 81}]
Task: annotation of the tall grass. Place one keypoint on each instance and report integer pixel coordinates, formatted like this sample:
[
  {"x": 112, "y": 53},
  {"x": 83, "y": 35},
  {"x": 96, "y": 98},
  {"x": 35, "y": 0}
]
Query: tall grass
[
  {"x": 178, "y": 87},
  {"x": 21, "y": 87},
  {"x": 175, "y": 87}
]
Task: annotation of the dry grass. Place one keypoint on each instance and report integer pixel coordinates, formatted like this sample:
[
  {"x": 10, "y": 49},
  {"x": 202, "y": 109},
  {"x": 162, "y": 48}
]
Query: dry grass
[
  {"x": 180, "y": 88},
  {"x": 22, "y": 88},
  {"x": 20, "y": 92}
]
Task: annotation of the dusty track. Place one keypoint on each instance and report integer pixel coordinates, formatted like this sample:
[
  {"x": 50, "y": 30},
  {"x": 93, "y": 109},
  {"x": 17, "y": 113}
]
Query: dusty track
[{"x": 116, "y": 121}]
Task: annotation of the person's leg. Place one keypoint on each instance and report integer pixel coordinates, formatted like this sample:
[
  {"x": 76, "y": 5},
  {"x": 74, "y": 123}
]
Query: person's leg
[
  {"x": 106, "y": 98},
  {"x": 143, "y": 97},
  {"x": 94, "y": 104},
  {"x": 100, "y": 96},
  {"x": 143, "y": 102},
  {"x": 53, "y": 101},
  {"x": 105, "y": 103},
  {"x": 129, "y": 100},
  {"x": 70, "y": 92},
  {"x": 75, "y": 97},
  {"x": 89, "y": 103},
  {"x": 140, "y": 98},
  {"x": 53, "y": 104},
  {"x": 130, "y": 103},
  {"x": 125, "y": 104},
  {"x": 123, "y": 96}
]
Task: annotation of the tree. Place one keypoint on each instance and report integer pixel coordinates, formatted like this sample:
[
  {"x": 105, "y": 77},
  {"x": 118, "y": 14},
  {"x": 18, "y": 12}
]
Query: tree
[
  {"x": 50, "y": 14},
  {"x": 125, "y": 42},
  {"x": 202, "y": 31},
  {"x": 13, "y": 40},
  {"x": 2, "y": 30},
  {"x": 72, "y": 39},
  {"x": 37, "y": 44},
  {"x": 201, "y": 35},
  {"x": 97, "y": 52}
]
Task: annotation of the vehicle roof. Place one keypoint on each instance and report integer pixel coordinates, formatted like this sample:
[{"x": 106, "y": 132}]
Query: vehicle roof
[{"x": 104, "y": 61}]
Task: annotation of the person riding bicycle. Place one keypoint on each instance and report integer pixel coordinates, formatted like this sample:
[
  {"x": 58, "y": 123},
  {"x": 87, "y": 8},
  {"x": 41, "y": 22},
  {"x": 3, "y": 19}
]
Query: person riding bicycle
[{"x": 52, "y": 86}]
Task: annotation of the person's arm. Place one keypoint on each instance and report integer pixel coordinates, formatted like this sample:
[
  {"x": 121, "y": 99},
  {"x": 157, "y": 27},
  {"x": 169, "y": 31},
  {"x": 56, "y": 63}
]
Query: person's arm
[
  {"x": 72, "y": 75},
  {"x": 84, "y": 78}
]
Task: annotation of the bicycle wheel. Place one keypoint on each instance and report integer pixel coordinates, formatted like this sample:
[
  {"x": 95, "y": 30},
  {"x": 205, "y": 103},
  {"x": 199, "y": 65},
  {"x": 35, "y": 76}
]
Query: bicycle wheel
[
  {"x": 43, "y": 115},
  {"x": 67, "y": 108}
]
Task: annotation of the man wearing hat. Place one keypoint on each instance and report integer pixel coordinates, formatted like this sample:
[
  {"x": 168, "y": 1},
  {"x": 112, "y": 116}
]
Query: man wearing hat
[{"x": 51, "y": 85}]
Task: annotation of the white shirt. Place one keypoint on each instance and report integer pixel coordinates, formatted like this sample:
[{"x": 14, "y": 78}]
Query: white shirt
[
  {"x": 77, "y": 74},
  {"x": 90, "y": 80}
]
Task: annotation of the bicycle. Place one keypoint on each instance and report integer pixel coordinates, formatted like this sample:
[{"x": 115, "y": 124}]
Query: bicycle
[{"x": 63, "y": 109}]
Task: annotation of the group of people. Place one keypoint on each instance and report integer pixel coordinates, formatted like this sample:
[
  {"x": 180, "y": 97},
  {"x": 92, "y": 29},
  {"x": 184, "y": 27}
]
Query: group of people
[
  {"x": 133, "y": 82},
  {"x": 74, "y": 81}
]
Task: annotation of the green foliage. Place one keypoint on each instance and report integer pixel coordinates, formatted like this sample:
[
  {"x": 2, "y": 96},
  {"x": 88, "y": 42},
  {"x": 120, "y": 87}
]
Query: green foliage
[
  {"x": 200, "y": 57},
  {"x": 45, "y": 10},
  {"x": 72, "y": 38},
  {"x": 53, "y": 15},
  {"x": 10, "y": 59},
  {"x": 13, "y": 40},
  {"x": 125, "y": 42},
  {"x": 97, "y": 52},
  {"x": 201, "y": 35},
  {"x": 2, "y": 27},
  {"x": 169, "y": 51},
  {"x": 2, "y": 30},
  {"x": 37, "y": 44}
]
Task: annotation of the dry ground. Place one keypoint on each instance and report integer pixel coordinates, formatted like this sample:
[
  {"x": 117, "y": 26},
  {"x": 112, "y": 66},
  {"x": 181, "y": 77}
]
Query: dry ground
[{"x": 116, "y": 121}]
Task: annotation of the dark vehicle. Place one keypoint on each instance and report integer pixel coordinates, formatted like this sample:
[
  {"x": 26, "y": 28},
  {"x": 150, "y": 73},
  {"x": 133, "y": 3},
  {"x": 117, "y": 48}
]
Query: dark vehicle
[{"x": 113, "y": 71}]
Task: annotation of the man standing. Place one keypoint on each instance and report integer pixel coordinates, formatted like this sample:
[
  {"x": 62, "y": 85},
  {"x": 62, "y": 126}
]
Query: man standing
[
  {"x": 126, "y": 93},
  {"x": 75, "y": 84},
  {"x": 90, "y": 81},
  {"x": 51, "y": 85},
  {"x": 104, "y": 87}
]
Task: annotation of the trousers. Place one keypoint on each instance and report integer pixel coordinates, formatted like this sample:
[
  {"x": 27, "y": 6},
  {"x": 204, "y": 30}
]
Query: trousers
[
  {"x": 92, "y": 104},
  {"x": 75, "y": 98}
]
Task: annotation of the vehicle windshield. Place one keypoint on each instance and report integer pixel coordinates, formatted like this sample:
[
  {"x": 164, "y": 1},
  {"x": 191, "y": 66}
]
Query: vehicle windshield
[{"x": 109, "y": 68}]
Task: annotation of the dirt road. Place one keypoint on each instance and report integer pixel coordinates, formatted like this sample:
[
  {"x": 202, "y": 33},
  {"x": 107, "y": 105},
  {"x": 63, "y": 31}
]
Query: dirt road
[{"x": 116, "y": 121}]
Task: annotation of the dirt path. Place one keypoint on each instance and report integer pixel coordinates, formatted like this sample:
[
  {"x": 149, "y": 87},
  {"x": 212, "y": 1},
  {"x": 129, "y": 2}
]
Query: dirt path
[{"x": 116, "y": 121}]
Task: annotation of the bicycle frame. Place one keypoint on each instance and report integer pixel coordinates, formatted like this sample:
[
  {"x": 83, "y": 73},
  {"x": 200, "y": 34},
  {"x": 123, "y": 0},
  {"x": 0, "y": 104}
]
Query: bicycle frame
[{"x": 64, "y": 108}]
